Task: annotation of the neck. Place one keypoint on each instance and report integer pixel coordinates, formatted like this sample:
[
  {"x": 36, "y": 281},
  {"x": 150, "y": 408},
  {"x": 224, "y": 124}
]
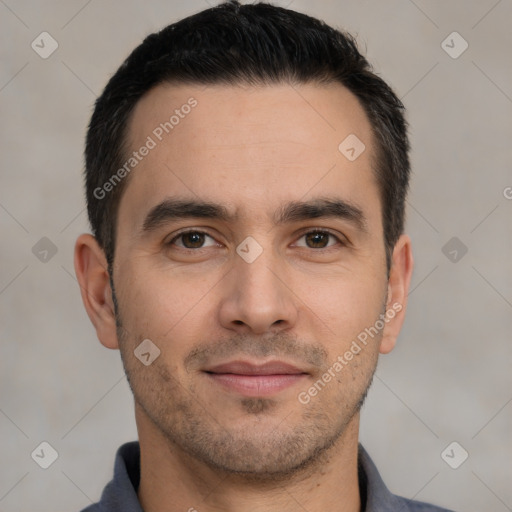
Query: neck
[{"x": 173, "y": 480}]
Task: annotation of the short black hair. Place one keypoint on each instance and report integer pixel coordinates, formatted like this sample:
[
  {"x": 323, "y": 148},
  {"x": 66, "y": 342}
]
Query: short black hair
[{"x": 256, "y": 44}]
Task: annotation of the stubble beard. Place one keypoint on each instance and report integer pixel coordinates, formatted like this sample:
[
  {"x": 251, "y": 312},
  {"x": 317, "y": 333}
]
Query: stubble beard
[{"x": 259, "y": 455}]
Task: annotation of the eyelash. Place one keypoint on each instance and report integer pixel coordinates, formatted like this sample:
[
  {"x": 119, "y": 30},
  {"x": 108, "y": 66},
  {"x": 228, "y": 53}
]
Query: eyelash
[{"x": 311, "y": 231}]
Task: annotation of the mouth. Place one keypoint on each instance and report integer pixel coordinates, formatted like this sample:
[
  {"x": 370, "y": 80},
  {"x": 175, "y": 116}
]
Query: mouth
[{"x": 256, "y": 380}]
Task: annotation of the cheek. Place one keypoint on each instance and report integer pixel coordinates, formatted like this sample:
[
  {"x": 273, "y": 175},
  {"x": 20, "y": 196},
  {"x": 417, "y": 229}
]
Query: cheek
[
  {"x": 162, "y": 304},
  {"x": 347, "y": 305}
]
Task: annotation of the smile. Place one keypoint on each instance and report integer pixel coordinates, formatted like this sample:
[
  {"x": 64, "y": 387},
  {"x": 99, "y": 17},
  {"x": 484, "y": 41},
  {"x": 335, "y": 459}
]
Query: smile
[{"x": 256, "y": 380}]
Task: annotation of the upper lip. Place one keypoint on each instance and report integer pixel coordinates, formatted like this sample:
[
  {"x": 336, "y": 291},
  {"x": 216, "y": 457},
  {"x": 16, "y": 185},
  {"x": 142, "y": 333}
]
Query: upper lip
[{"x": 248, "y": 368}]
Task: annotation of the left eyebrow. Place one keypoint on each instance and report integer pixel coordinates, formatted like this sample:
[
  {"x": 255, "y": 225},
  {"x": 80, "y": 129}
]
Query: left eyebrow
[
  {"x": 293, "y": 211},
  {"x": 296, "y": 211}
]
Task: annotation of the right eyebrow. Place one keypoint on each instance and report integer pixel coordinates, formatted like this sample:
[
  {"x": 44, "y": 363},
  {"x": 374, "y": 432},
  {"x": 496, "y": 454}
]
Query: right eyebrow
[{"x": 171, "y": 209}]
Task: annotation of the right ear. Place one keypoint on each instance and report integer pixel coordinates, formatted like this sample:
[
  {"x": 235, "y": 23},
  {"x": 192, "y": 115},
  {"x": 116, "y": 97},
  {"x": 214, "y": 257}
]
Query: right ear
[{"x": 92, "y": 274}]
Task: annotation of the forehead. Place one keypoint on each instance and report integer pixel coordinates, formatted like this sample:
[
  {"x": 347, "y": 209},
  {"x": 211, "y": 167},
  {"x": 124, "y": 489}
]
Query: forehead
[{"x": 248, "y": 147}]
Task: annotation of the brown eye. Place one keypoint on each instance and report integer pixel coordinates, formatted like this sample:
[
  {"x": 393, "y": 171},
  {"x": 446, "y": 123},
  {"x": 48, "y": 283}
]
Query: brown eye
[
  {"x": 191, "y": 240},
  {"x": 319, "y": 239}
]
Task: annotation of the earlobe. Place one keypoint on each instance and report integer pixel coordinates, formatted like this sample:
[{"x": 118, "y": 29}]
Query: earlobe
[
  {"x": 92, "y": 274},
  {"x": 398, "y": 289}
]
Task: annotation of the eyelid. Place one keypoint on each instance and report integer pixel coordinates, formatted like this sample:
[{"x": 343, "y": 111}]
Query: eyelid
[
  {"x": 340, "y": 239},
  {"x": 186, "y": 231}
]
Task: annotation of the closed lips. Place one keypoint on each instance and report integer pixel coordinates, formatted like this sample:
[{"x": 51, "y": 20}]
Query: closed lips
[{"x": 246, "y": 368}]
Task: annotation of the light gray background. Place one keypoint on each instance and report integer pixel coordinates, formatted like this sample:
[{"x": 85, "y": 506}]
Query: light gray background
[{"x": 448, "y": 379}]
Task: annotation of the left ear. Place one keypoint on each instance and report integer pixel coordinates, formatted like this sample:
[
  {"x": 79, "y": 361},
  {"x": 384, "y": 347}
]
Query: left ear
[{"x": 398, "y": 288}]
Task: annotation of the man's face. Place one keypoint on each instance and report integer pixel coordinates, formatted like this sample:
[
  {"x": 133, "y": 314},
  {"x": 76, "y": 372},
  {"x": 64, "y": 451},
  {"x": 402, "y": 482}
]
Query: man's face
[{"x": 219, "y": 305}]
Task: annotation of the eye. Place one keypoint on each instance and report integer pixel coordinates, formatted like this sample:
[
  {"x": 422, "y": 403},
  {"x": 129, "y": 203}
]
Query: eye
[
  {"x": 319, "y": 239},
  {"x": 194, "y": 239},
  {"x": 191, "y": 239}
]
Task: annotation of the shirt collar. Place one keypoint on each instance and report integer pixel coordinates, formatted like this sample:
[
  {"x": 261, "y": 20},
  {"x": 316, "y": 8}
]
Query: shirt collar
[
  {"x": 375, "y": 496},
  {"x": 120, "y": 495}
]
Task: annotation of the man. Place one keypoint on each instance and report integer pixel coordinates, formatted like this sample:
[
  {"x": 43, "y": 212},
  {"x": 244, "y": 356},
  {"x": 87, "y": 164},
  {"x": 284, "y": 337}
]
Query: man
[{"x": 246, "y": 174}]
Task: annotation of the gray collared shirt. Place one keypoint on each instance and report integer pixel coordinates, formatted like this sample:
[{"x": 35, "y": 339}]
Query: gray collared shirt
[{"x": 120, "y": 494}]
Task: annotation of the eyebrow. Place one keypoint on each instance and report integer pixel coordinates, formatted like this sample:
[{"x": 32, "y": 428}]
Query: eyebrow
[{"x": 293, "y": 211}]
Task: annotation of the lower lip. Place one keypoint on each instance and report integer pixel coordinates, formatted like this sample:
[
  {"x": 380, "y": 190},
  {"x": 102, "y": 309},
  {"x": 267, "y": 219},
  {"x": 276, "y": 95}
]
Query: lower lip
[{"x": 256, "y": 385}]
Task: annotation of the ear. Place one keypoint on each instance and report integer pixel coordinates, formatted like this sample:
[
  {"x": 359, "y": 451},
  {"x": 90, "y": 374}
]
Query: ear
[
  {"x": 398, "y": 289},
  {"x": 92, "y": 274}
]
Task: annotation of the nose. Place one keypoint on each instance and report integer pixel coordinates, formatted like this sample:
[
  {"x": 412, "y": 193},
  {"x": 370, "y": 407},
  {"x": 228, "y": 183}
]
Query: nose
[{"x": 257, "y": 299}]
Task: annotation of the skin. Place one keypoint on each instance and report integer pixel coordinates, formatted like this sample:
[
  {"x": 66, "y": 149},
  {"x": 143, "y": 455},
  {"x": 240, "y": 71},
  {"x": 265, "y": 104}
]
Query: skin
[{"x": 303, "y": 300}]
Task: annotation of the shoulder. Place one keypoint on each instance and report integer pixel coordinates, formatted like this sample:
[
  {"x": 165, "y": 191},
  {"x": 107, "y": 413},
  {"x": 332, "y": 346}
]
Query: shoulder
[
  {"x": 377, "y": 497},
  {"x": 120, "y": 494},
  {"x": 420, "y": 506}
]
